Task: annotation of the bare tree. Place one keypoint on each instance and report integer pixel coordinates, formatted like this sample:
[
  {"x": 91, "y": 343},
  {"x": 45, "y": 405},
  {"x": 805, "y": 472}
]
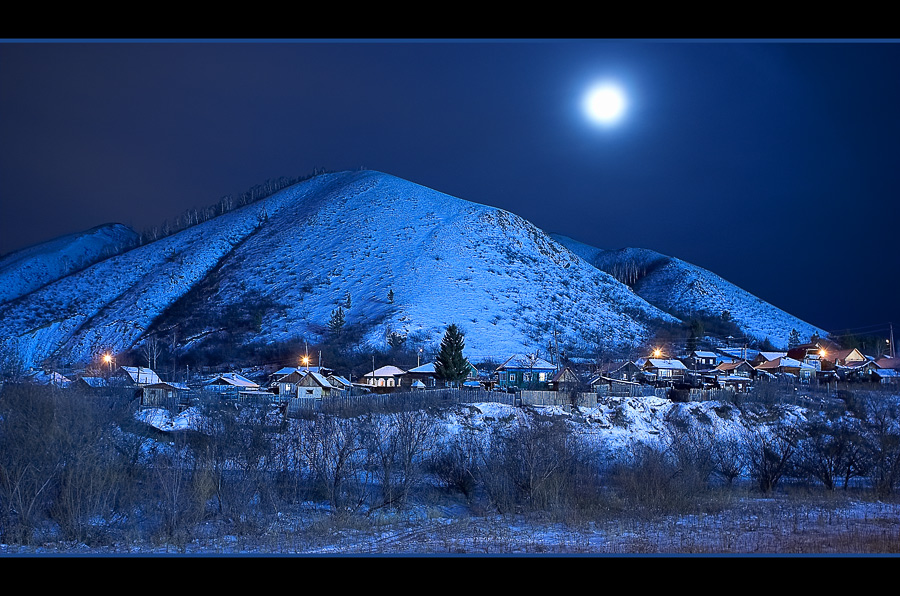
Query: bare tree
[
  {"x": 770, "y": 451},
  {"x": 336, "y": 453}
]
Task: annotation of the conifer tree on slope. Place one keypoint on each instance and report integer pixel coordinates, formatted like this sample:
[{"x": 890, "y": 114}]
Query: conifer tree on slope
[{"x": 451, "y": 366}]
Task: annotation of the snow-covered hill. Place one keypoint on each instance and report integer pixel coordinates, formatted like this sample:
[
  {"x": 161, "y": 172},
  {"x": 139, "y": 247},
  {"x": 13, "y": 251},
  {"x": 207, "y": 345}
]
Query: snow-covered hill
[
  {"x": 686, "y": 290},
  {"x": 28, "y": 269},
  {"x": 295, "y": 256}
]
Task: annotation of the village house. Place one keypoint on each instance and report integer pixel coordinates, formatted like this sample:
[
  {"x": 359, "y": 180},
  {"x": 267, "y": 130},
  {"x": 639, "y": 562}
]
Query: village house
[
  {"x": 424, "y": 375},
  {"x": 765, "y": 357},
  {"x": 785, "y": 366},
  {"x": 856, "y": 371},
  {"x": 165, "y": 394},
  {"x": 135, "y": 376},
  {"x": 314, "y": 385},
  {"x": 339, "y": 382},
  {"x": 386, "y": 377},
  {"x": 230, "y": 384},
  {"x": 835, "y": 358},
  {"x": 700, "y": 360},
  {"x": 285, "y": 371},
  {"x": 91, "y": 384},
  {"x": 665, "y": 370},
  {"x": 621, "y": 371},
  {"x": 524, "y": 372},
  {"x": 740, "y": 368},
  {"x": 565, "y": 380}
]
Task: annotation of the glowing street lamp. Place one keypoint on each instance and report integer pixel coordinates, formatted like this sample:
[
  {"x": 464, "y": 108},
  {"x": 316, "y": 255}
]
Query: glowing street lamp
[
  {"x": 657, "y": 353},
  {"x": 305, "y": 361}
]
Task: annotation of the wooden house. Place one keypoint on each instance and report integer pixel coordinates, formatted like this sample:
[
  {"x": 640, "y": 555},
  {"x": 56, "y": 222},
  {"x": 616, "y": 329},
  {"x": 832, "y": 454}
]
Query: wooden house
[
  {"x": 524, "y": 372},
  {"x": 386, "y": 377},
  {"x": 665, "y": 370},
  {"x": 165, "y": 394},
  {"x": 740, "y": 368},
  {"x": 565, "y": 380},
  {"x": 423, "y": 374},
  {"x": 784, "y": 365},
  {"x": 835, "y": 358},
  {"x": 315, "y": 385},
  {"x": 230, "y": 384},
  {"x": 700, "y": 360},
  {"x": 135, "y": 376},
  {"x": 765, "y": 357}
]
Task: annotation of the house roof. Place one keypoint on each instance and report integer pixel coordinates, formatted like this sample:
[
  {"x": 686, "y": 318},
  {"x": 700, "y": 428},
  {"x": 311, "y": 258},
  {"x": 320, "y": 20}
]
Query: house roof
[
  {"x": 385, "y": 371},
  {"x": 95, "y": 382},
  {"x": 563, "y": 374},
  {"x": 772, "y": 355},
  {"x": 888, "y": 362},
  {"x": 337, "y": 381},
  {"x": 526, "y": 362},
  {"x": 724, "y": 366},
  {"x": 319, "y": 380},
  {"x": 702, "y": 354},
  {"x": 665, "y": 363},
  {"x": 427, "y": 368},
  {"x": 140, "y": 375},
  {"x": 783, "y": 361},
  {"x": 233, "y": 379},
  {"x": 835, "y": 355},
  {"x": 167, "y": 384}
]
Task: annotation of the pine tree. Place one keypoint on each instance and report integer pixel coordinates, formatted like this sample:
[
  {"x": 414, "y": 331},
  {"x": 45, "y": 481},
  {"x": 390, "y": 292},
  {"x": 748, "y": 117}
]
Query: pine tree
[
  {"x": 348, "y": 301},
  {"x": 451, "y": 366},
  {"x": 391, "y": 296},
  {"x": 337, "y": 321},
  {"x": 793, "y": 339}
]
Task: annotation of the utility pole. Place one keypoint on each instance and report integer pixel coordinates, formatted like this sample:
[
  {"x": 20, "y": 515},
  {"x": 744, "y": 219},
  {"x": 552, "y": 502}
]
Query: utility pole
[{"x": 891, "y": 340}]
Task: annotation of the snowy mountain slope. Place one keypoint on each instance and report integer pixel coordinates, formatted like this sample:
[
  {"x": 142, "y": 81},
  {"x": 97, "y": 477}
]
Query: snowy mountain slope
[
  {"x": 684, "y": 289},
  {"x": 28, "y": 269},
  {"x": 498, "y": 277},
  {"x": 108, "y": 306},
  {"x": 299, "y": 253}
]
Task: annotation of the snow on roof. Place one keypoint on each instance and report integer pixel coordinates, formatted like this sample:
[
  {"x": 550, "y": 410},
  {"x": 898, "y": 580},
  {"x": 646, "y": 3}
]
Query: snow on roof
[
  {"x": 700, "y": 354},
  {"x": 337, "y": 380},
  {"x": 666, "y": 363},
  {"x": 427, "y": 368},
  {"x": 95, "y": 382},
  {"x": 141, "y": 375},
  {"x": 233, "y": 379},
  {"x": 385, "y": 371},
  {"x": 530, "y": 362},
  {"x": 320, "y": 380},
  {"x": 161, "y": 384}
]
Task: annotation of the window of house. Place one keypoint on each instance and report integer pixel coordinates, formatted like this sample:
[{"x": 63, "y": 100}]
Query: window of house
[
  {"x": 503, "y": 376},
  {"x": 512, "y": 377},
  {"x": 542, "y": 377},
  {"x": 526, "y": 377}
]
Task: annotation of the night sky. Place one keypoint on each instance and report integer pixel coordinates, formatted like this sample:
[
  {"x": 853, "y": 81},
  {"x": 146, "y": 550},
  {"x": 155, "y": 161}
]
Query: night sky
[{"x": 773, "y": 164}]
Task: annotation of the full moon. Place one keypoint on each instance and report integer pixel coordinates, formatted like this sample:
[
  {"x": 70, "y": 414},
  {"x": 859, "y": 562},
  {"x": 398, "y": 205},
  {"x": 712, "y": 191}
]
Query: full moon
[{"x": 605, "y": 103}]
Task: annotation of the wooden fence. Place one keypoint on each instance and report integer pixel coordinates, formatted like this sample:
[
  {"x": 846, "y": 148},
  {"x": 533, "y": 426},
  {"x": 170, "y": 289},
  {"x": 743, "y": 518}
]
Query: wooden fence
[{"x": 397, "y": 400}]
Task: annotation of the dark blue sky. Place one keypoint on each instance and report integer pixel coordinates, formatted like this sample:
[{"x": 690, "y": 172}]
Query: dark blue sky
[{"x": 774, "y": 164}]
